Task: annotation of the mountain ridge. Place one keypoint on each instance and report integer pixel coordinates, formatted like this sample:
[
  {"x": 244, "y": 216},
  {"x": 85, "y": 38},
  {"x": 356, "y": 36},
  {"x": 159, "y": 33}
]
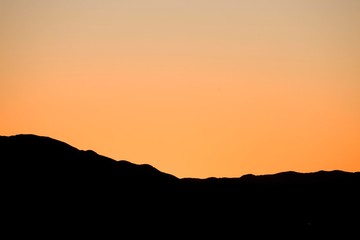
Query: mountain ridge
[
  {"x": 145, "y": 165},
  {"x": 47, "y": 180}
]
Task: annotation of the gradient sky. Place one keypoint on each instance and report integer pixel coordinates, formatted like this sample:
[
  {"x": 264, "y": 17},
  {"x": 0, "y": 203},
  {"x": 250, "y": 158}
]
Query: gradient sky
[{"x": 195, "y": 88}]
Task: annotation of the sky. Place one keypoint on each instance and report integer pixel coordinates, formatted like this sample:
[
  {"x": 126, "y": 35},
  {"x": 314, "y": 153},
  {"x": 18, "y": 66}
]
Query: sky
[{"x": 195, "y": 88}]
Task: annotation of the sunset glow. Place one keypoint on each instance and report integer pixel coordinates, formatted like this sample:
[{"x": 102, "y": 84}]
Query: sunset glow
[{"x": 195, "y": 88}]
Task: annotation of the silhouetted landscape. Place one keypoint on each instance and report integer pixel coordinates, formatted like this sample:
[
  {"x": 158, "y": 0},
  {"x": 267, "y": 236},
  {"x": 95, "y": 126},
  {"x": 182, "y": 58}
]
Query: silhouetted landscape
[{"x": 54, "y": 189}]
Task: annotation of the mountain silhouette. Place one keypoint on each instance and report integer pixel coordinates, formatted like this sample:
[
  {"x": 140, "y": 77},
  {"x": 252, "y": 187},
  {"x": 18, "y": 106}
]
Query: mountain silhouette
[{"x": 51, "y": 188}]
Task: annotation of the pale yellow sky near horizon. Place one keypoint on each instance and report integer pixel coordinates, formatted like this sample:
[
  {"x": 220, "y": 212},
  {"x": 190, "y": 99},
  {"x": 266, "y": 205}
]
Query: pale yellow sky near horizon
[{"x": 194, "y": 88}]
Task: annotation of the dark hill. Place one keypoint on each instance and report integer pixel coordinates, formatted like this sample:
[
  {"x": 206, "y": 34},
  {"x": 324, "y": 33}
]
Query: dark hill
[{"x": 53, "y": 189}]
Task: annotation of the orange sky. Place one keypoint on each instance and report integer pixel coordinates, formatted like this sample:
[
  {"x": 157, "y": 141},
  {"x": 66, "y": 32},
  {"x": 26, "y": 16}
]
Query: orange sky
[{"x": 196, "y": 88}]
